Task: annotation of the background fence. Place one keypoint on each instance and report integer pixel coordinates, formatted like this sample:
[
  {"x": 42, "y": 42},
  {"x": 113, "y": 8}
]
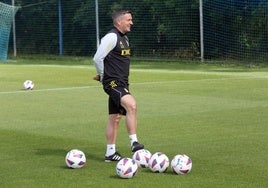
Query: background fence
[{"x": 233, "y": 29}]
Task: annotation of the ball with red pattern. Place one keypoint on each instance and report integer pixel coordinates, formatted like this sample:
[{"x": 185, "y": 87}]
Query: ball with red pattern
[
  {"x": 181, "y": 164},
  {"x": 126, "y": 168},
  {"x": 75, "y": 159},
  {"x": 142, "y": 157},
  {"x": 158, "y": 162},
  {"x": 28, "y": 85}
]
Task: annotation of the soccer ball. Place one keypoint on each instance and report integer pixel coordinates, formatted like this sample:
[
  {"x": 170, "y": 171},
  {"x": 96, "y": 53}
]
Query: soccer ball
[
  {"x": 158, "y": 162},
  {"x": 142, "y": 157},
  {"x": 75, "y": 159},
  {"x": 126, "y": 168},
  {"x": 181, "y": 164},
  {"x": 28, "y": 85}
]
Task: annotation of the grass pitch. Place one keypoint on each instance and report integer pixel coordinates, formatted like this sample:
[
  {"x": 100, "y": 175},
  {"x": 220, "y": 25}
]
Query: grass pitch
[{"x": 215, "y": 114}]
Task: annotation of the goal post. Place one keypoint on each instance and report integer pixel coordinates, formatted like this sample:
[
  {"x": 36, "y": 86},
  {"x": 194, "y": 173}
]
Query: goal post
[{"x": 7, "y": 13}]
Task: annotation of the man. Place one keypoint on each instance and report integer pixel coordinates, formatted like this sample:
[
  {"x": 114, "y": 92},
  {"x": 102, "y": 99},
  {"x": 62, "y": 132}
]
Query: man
[{"x": 112, "y": 61}]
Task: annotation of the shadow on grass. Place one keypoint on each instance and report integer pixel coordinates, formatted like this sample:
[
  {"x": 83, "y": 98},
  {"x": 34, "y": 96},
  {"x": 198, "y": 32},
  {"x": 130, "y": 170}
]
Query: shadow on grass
[
  {"x": 115, "y": 177},
  {"x": 95, "y": 157},
  {"x": 168, "y": 172},
  {"x": 49, "y": 151},
  {"x": 63, "y": 152}
]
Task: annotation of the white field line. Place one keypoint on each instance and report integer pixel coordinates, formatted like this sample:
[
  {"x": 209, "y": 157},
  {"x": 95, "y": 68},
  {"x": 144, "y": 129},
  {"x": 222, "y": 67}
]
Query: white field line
[
  {"x": 49, "y": 89},
  {"x": 138, "y": 83},
  {"x": 91, "y": 67}
]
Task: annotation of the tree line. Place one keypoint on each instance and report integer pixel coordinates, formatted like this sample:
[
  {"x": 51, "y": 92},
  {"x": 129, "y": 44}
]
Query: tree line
[{"x": 168, "y": 28}]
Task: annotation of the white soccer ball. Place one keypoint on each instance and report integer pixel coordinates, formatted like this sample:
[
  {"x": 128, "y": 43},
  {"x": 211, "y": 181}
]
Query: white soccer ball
[
  {"x": 142, "y": 157},
  {"x": 28, "y": 85},
  {"x": 126, "y": 168},
  {"x": 181, "y": 164},
  {"x": 75, "y": 159},
  {"x": 159, "y": 162}
]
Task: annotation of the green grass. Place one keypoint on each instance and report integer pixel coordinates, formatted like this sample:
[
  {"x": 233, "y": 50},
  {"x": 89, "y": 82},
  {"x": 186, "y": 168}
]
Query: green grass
[{"x": 215, "y": 113}]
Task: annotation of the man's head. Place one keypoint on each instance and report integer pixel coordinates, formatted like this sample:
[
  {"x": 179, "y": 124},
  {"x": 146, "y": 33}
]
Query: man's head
[{"x": 122, "y": 20}]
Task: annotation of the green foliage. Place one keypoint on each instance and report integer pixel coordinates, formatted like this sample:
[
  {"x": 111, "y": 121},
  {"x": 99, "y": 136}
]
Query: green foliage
[
  {"x": 217, "y": 114},
  {"x": 235, "y": 29},
  {"x": 232, "y": 29}
]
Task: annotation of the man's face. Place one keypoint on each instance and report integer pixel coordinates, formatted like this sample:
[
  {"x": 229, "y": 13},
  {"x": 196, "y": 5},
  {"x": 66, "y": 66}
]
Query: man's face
[{"x": 124, "y": 23}]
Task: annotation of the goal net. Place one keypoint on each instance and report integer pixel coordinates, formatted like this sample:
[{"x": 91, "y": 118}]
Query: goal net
[
  {"x": 7, "y": 13},
  {"x": 236, "y": 29}
]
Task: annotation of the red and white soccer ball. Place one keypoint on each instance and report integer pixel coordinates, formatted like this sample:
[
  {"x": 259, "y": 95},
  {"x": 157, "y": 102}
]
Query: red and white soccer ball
[
  {"x": 75, "y": 159},
  {"x": 126, "y": 168},
  {"x": 28, "y": 85},
  {"x": 181, "y": 164},
  {"x": 158, "y": 162},
  {"x": 142, "y": 157}
]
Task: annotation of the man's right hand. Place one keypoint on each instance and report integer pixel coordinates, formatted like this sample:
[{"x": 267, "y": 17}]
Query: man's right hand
[{"x": 97, "y": 78}]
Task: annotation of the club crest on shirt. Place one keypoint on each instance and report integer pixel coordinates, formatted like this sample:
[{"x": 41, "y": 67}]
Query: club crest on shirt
[
  {"x": 121, "y": 45},
  {"x": 123, "y": 51}
]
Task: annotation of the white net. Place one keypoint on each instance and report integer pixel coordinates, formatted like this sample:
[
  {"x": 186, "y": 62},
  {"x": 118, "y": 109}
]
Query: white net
[
  {"x": 236, "y": 29},
  {"x": 233, "y": 29},
  {"x": 7, "y": 13}
]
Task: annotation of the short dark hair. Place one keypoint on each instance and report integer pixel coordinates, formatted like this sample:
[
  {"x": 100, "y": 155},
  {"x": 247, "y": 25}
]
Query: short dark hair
[{"x": 119, "y": 12}]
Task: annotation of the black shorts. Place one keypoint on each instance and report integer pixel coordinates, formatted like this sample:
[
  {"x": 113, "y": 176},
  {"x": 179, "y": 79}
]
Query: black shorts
[{"x": 116, "y": 92}]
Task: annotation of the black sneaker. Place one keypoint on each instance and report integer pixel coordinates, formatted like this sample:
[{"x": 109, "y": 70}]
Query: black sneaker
[
  {"x": 136, "y": 146},
  {"x": 115, "y": 157}
]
